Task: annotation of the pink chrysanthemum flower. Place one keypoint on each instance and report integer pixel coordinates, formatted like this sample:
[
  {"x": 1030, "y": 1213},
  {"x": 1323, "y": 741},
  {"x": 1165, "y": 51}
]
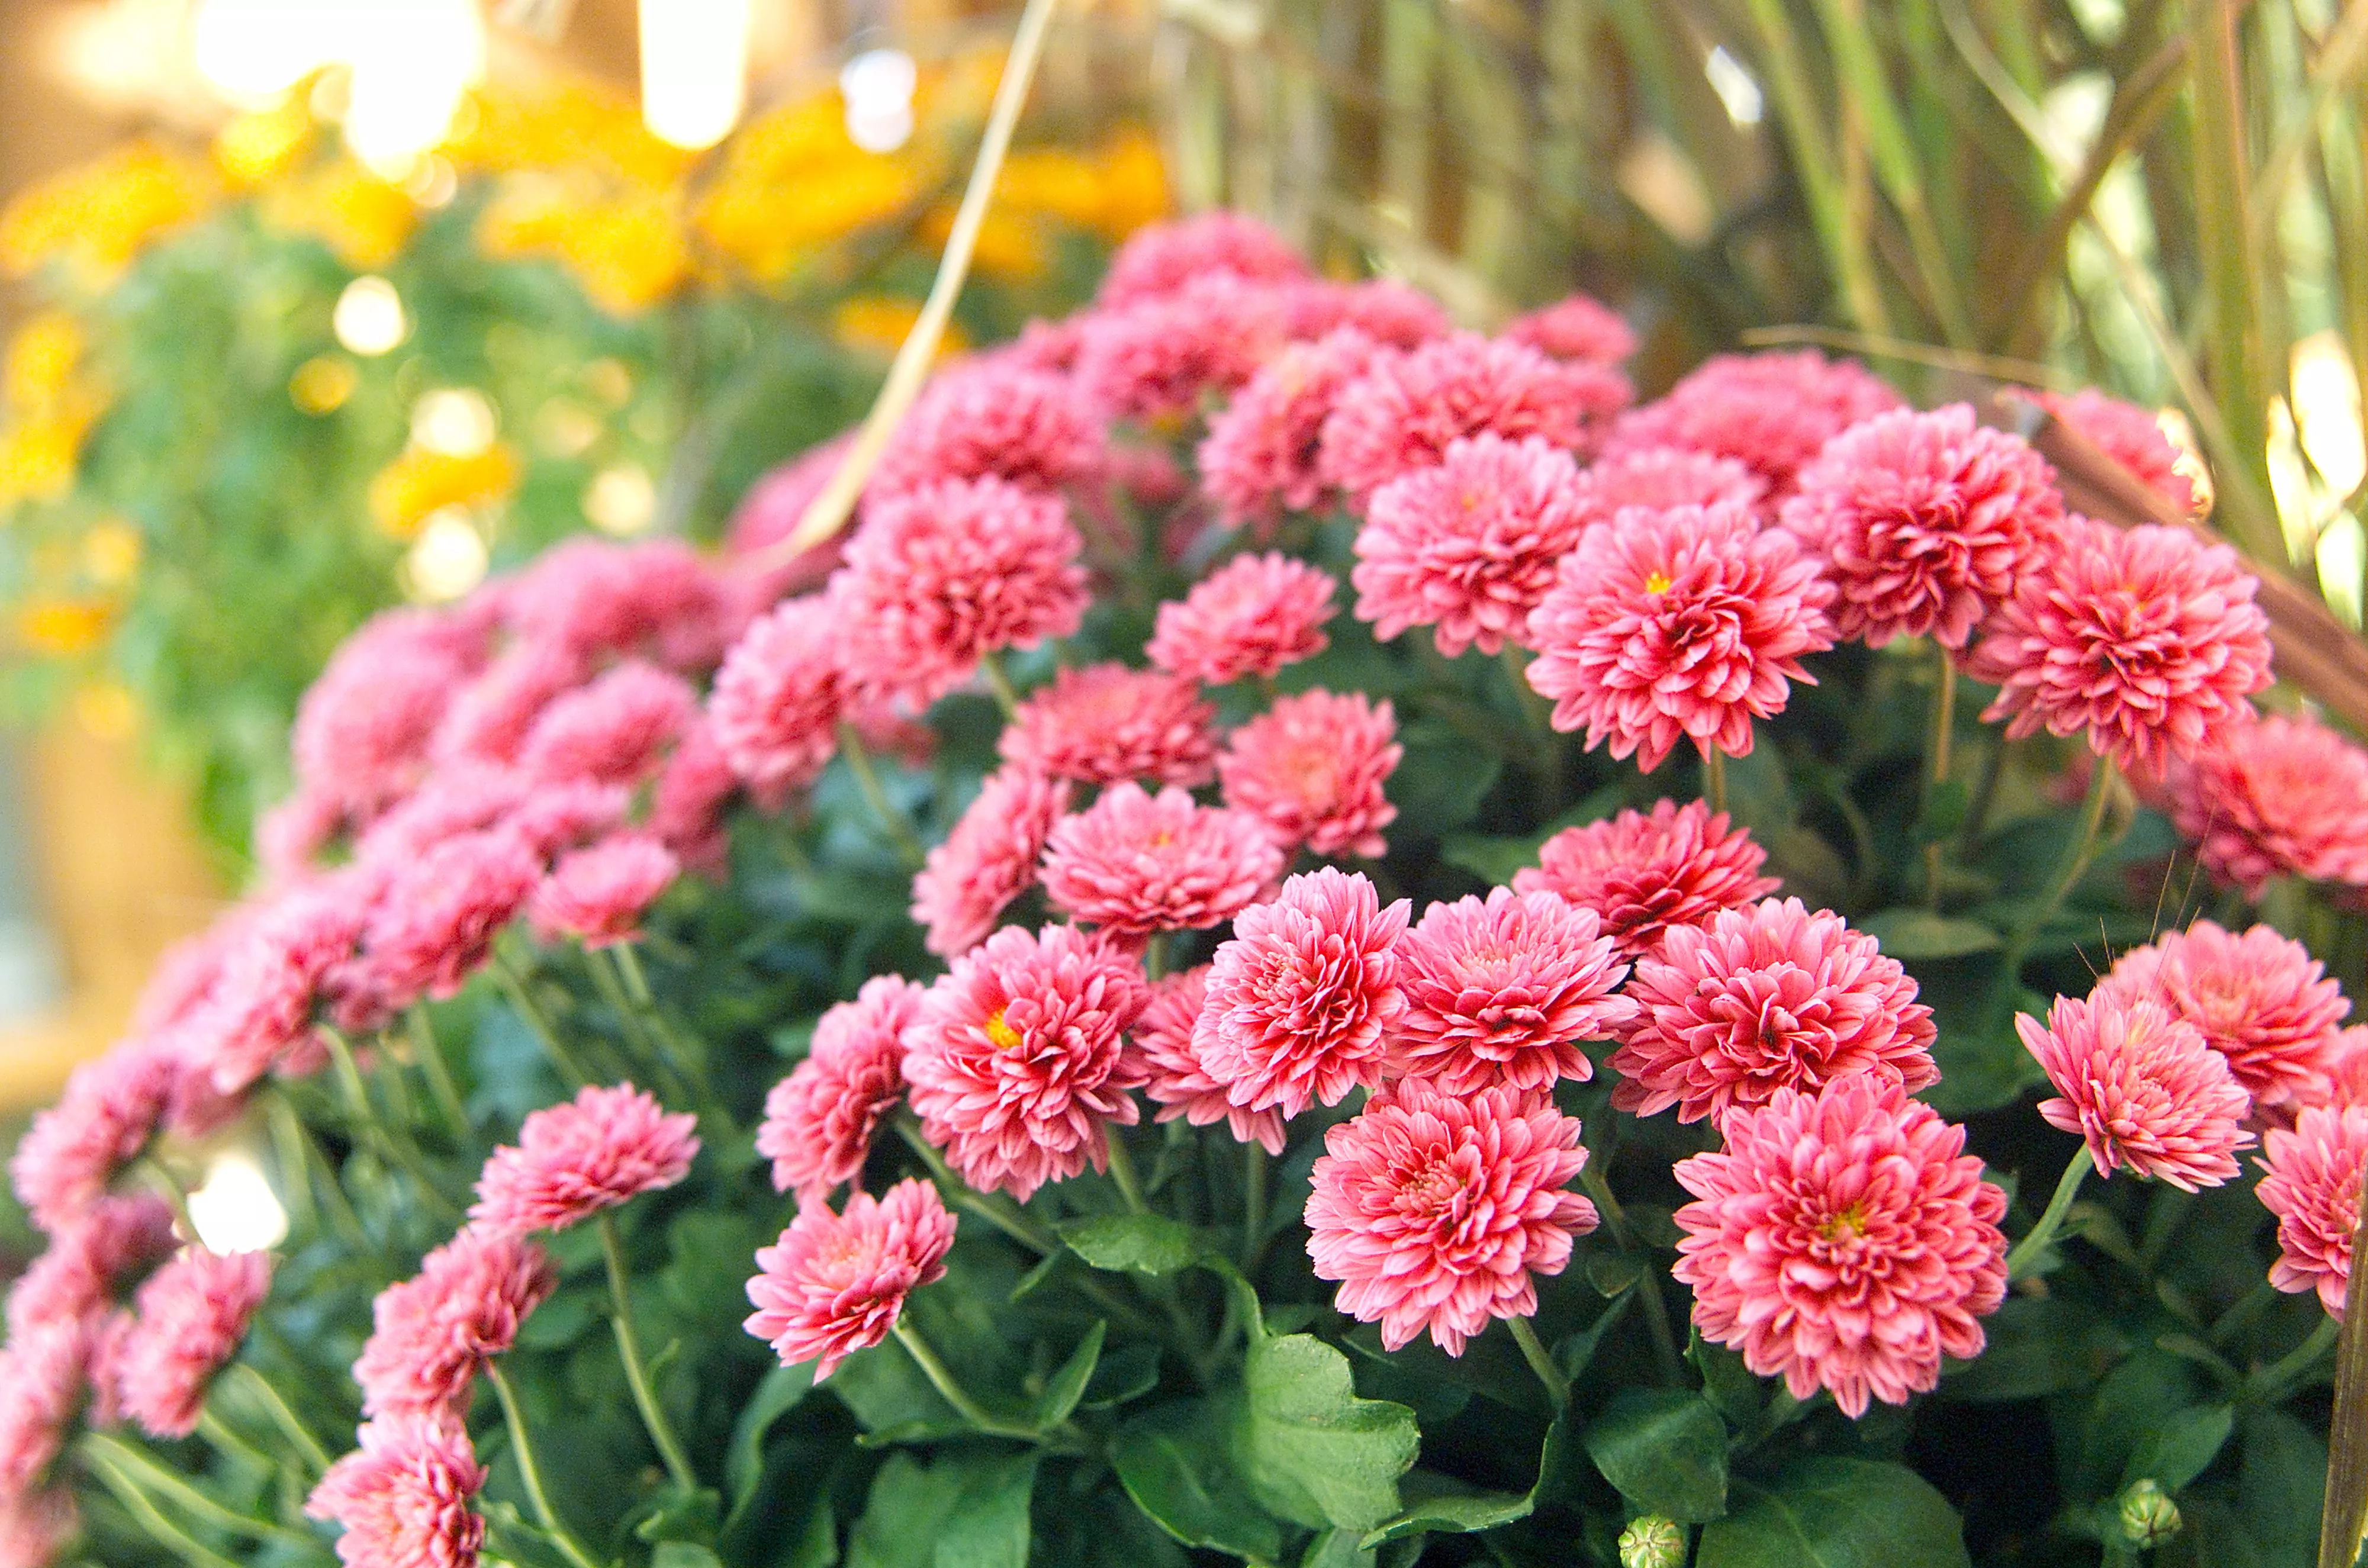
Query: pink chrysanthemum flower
[
  {"x": 1261, "y": 455},
  {"x": 1660, "y": 478},
  {"x": 362, "y": 733},
  {"x": 577, "y": 1158},
  {"x": 192, "y": 1314},
  {"x": 35, "y": 1527},
  {"x": 1686, "y": 624},
  {"x": 686, "y": 803},
  {"x": 835, "y": 1283},
  {"x": 1016, "y": 1062},
  {"x": 465, "y": 795},
  {"x": 290, "y": 837},
  {"x": 998, "y": 421},
  {"x": 1160, "y": 258},
  {"x": 1154, "y": 360},
  {"x": 439, "y": 913},
  {"x": 489, "y": 719},
  {"x": 1106, "y": 724},
  {"x": 432, "y": 1334},
  {"x": 819, "y": 1122},
  {"x": 987, "y": 860},
  {"x": 770, "y": 511},
  {"x": 40, "y": 1388},
  {"x": 262, "y": 1007},
  {"x": 2138, "y": 1083},
  {"x": 1136, "y": 864},
  {"x": 1251, "y": 617},
  {"x": 2130, "y": 436},
  {"x": 655, "y": 600},
  {"x": 779, "y": 697},
  {"x": 1406, "y": 409},
  {"x": 555, "y": 818},
  {"x": 103, "y": 1120},
  {"x": 1390, "y": 312},
  {"x": 88, "y": 1259},
  {"x": 2311, "y": 1182},
  {"x": 1301, "y": 998},
  {"x": 943, "y": 576},
  {"x": 614, "y": 731},
  {"x": 2147, "y": 638},
  {"x": 1763, "y": 999},
  {"x": 1312, "y": 768},
  {"x": 1579, "y": 326},
  {"x": 1163, "y": 1039},
  {"x": 1499, "y": 991},
  {"x": 403, "y": 1497},
  {"x": 2284, "y": 797},
  {"x": 1436, "y": 1211},
  {"x": 1468, "y": 546},
  {"x": 1924, "y": 522},
  {"x": 2259, "y": 999},
  {"x": 1771, "y": 411},
  {"x": 598, "y": 895},
  {"x": 1845, "y": 1240},
  {"x": 1643, "y": 874}
]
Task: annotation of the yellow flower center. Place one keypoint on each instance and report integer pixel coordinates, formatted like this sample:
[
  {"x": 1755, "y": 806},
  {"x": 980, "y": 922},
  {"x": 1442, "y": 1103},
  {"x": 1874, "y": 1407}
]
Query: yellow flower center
[
  {"x": 1005, "y": 1037},
  {"x": 1848, "y": 1225},
  {"x": 1658, "y": 583}
]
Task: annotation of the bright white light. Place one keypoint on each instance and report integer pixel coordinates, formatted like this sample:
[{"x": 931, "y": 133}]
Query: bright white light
[
  {"x": 448, "y": 559},
  {"x": 878, "y": 86},
  {"x": 234, "y": 1209},
  {"x": 456, "y": 421},
  {"x": 251, "y": 50},
  {"x": 2326, "y": 406},
  {"x": 694, "y": 69},
  {"x": 621, "y": 500},
  {"x": 369, "y": 318},
  {"x": 412, "y": 64},
  {"x": 1734, "y": 86}
]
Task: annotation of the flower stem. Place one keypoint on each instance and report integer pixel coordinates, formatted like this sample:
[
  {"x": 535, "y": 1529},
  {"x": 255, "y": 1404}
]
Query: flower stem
[
  {"x": 176, "y": 1540},
  {"x": 1714, "y": 779},
  {"x": 892, "y": 817},
  {"x": 523, "y": 1446},
  {"x": 969, "y": 1409},
  {"x": 286, "y": 1418},
  {"x": 628, "y": 1350},
  {"x": 1533, "y": 1352},
  {"x": 1254, "y": 1160},
  {"x": 514, "y": 984},
  {"x": 2068, "y": 870},
  {"x": 999, "y": 683},
  {"x": 399, "y": 1150},
  {"x": 2273, "y": 1381},
  {"x": 1005, "y": 1215},
  {"x": 2019, "y": 1262},
  {"x": 222, "y": 1436},
  {"x": 144, "y": 1472},
  {"x": 1122, "y": 1170},
  {"x": 1936, "y": 760},
  {"x": 440, "y": 1086}
]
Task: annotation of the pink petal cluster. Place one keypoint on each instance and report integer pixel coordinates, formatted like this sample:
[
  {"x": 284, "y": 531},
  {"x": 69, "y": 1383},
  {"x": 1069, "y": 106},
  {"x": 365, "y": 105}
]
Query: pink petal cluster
[
  {"x": 90, "y": 1257},
  {"x": 1642, "y": 874},
  {"x": 1843, "y": 1240},
  {"x": 1302, "y": 996},
  {"x": 489, "y": 719},
  {"x": 1312, "y": 768},
  {"x": 431, "y": 1334},
  {"x": 1262, "y": 454},
  {"x": 2310, "y": 1180},
  {"x": 437, "y": 921},
  {"x": 835, "y": 1284},
  {"x": 36, "y": 1527},
  {"x": 40, "y": 1388},
  {"x": 1016, "y": 1062},
  {"x": 1176, "y": 1084},
  {"x": 615, "y": 730},
  {"x": 999, "y": 421},
  {"x": 1106, "y": 724},
  {"x": 1578, "y": 327},
  {"x": 2129, "y": 435},
  {"x": 1468, "y": 546},
  {"x": 362, "y": 731},
  {"x": 1390, "y": 312},
  {"x": 404, "y": 1496},
  {"x": 191, "y": 1317},
  {"x": 2258, "y": 999},
  {"x": 1660, "y": 478},
  {"x": 1772, "y": 412},
  {"x": 1924, "y": 522},
  {"x": 102, "y": 1121},
  {"x": 656, "y": 601},
  {"x": 2138, "y": 1083},
  {"x": 987, "y": 860},
  {"x": 779, "y": 697},
  {"x": 2286, "y": 797},
  {"x": 688, "y": 800},
  {"x": 1764, "y": 999},
  {"x": 598, "y": 895},
  {"x": 1437, "y": 1210},
  {"x": 819, "y": 1122},
  {"x": 1250, "y": 617},
  {"x": 2147, "y": 638},
  {"x": 1679, "y": 625},
  {"x": 1498, "y": 990},
  {"x": 1136, "y": 864},
  {"x": 1154, "y": 360},
  {"x": 1163, "y": 258},
  {"x": 577, "y": 1158}
]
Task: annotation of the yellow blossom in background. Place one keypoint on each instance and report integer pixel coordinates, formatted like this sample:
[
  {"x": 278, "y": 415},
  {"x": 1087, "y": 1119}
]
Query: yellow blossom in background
[
  {"x": 1111, "y": 191},
  {"x": 98, "y": 217},
  {"x": 626, "y": 249},
  {"x": 878, "y": 323},
  {"x": 1012, "y": 247},
  {"x": 322, "y": 384},
  {"x": 61, "y": 627},
  {"x": 569, "y": 124},
  {"x": 1134, "y": 189},
  {"x": 107, "y": 709},
  {"x": 419, "y": 483},
  {"x": 111, "y": 553},
  {"x": 359, "y": 216},
  {"x": 261, "y": 146},
  {"x": 37, "y": 455},
  {"x": 39, "y": 373},
  {"x": 791, "y": 182}
]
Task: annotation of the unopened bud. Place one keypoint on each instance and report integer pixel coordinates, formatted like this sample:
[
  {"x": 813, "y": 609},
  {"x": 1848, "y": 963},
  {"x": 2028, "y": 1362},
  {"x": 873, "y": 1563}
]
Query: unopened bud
[
  {"x": 1651, "y": 1542},
  {"x": 2148, "y": 1516}
]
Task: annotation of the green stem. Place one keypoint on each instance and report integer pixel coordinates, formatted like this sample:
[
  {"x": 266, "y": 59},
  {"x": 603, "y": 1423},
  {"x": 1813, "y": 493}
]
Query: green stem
[
  {"x": 644, "y": 1043},
  {"x": 170, "y": 1534},
  {"x": 2273, "y": 1381},
  {"x": 1155, "y": 957},
  {"x": 146, "y": 1473},
  {"x": 1254, "y": 1163},
  {"x": 375, "y": 1131},
  {"x": 898, "y": 826},
  {"x": 629, "y": 1350},
  {"x": 969, "y": 1409},
  {"x": 2068, "y": 870},
  {"x": 1937, "y": 758},
  {"x": 689, "y": 1063},
  {"x": 1005, "y": 1215},
  {"x": 1599, "y": 1191},
  {"x": 298, "y": 1147},
  {"x": 1122, "y": 1170},
  {"x": 514, "y": 985},
  {"x": 441, "y": 1087},
  {"x": 284, "y": 1417},
  {"x": 221, "y": 1434},
  {"x": 1537, "y": 709},
  {"x": 523, "y": 1446},
  {"x": 999, "y": 683},
  {"x": 2019, "y": 1262},
  {"x": 1714, "y": 779},
  {"x": 1534, "y": 1353}
]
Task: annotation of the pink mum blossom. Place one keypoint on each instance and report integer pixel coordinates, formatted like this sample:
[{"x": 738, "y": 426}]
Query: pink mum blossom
[
  {"x": 464, "y": 795},
  {"x": 575, "y": 1158},
  {"x": 1771, "y": 411},
  {"x": 1498, "y": 990},
  {"x": 944, "y": 574},
  {"x": 1160, "y": 258},
  {"x": 2259, "y": 999},
  {"x": 442, "y": 912},
  {"x": 2130, "y": 436},
  {"x": 1176, "y": 1085},
  {"x": 1578, "y": 327},
  {"x": 1153, "y": 360},
  {"x": 835, "y": 1283},
  {"x": 431, "y": 1334},
  {"x": 598, "y": 895},
  {"x": 102, "y": 1121},
  {"x": 1470, "y": 545},
  {"x": 362, "y": 733},
  {"x": 1686, "y": 624},
  {"x": 987, "y": 860},
  {"x": 1436, "y": 1211},
  {"x": 1136, "y": 864},
  {"x": 1660, "y": 478},
  {"x": 192, "y": 1315},
  {"x": 656, "y": 601},
  {"x": 993, "y": 420},
  {"x": 2139, "y": 1084},
  {"x": 555, "y": 818},
  {"x": 1845, "y": 1240},
  {"x": 290, "y": 959},
  {"x": 290, "y": 836},
  {"x": 2284, "y": 797},
  {"x": 1406, "y": 409},
  {"x": 1014, "y": 1062},
  {"x": 2147, "y": 638},
  {"x": 779, "y": 697},
  {"x": 2310, "y": 1180},
  {"x": 1251, "y": 617},
  {"x": 489, "y": 717},
  {"x": 1301, "y": 998},
  {"x": 1924, "y": 522},
  {"x": 403, "y": 1497},
  {"x": 1642, "y": 874},
  {"x": 1261, "y": 455},
  {"x": 686, "y": 803},
  {"x": 40, "y": 1389},
  {"x": 614, "y": 731},
  {"x": 1763, "y": 999},
  {"x": 36, "y": 1527},
  {"x": 88, "y": 1259},
  {"x": 1312, "y": 768},
  {"x": 1106, "y": 724},
  {"x": 819, "y": 1122},
  {"x": 1396, "y": 314}
]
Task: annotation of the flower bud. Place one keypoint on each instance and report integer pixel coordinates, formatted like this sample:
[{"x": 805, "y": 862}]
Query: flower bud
[
  {"x": 1651, "y": 1542},
  {"x": 2148, "y": 1516}
]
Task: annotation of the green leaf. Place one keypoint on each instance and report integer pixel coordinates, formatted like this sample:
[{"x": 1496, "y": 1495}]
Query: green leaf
[
  {"x": 776, "y": 1396},
  {"x": 1128, "y": 1373},
  {"x": 988, "y": 1527},
  {"x": 684, "y": 1554},
  {"x": 680, "y": 1516},
  {"x": 2280, "y": 1486},
  {"x": 1068, "y": 1385},
  {"x": 1491, "y": 859},
  {"x": 964, "y": 1511},
  {"x": 886, "y": 1392},
  {"x": 2181, "y": 1447},
  {"x": 1135, "y": 1244},
  {"x": 1312, "y": 1452},
  {"x": 2037, "y": 1346},
  {"x": 1455, "y": 1513},
  {"x": 1921, "y": 934},
  {"x": 1944, "y": 814},
  {"x": 1172, "y": 1462},
  {"x": 1441, "y": 780},
  {"x": 1836, "y": 1512},
  {"x": 1666, "y": 1452}
]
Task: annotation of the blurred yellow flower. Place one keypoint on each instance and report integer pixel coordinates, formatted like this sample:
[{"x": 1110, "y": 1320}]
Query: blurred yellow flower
[
  {"x": 1111, "y": 191},
  {"x": 96, "y": 217},
  {"x": 111, "y": 553},
  {"x": 627, "y": 249},
  {"x": 1012, "y": 246},
  {"x": 791, "y": 182},
  {"x": 37, "y": 455},
  {"x": 107, "y": 709},
  {"x": 419, "y": 483},
  {"x": 264, "y": 144},
  {"x": 59, "y": 627},
  {"x": 359, "y": 216},
  {"x": 322, "y": 384},
  {"x": 39, "y": 373},
  {"x": 571, "y": 124},
  {"x": 877, "y": 323},
  {"x": 1134, "y": 189}
]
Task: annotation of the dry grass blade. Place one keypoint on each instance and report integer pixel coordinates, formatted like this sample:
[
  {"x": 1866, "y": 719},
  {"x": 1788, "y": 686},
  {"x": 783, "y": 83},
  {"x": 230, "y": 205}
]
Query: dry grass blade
[{"x": 2346, "y": 1513}]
